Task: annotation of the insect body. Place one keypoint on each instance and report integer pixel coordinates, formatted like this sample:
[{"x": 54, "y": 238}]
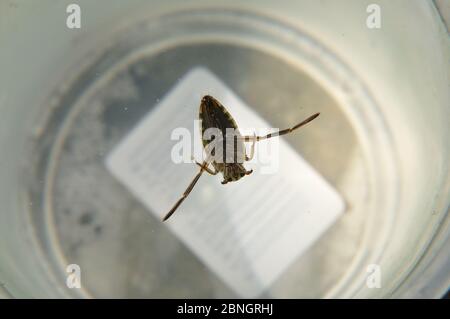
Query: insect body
[
  {"x": 224, "y": 145},
  {"x": 229, "y": 149}
]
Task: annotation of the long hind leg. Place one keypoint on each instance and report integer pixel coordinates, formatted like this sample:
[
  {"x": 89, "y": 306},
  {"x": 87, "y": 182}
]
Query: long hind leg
[
  {"x": 279, "y": 133},
  {"x": 185, "y": 194},
  {"x": 203, "y": 167}
]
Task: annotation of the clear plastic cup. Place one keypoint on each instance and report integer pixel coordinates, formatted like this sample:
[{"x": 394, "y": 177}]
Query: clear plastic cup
[{"x": 69, "y": 96}]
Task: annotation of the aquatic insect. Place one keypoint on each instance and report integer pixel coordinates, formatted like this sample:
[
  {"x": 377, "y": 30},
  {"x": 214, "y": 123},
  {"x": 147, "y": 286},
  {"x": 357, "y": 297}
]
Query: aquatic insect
[{"x": 227, "y": 153}]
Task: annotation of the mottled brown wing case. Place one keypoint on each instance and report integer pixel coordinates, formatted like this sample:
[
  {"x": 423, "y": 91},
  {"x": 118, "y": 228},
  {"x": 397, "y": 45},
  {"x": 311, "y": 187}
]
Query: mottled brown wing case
[{"x": 214, "y": 115}]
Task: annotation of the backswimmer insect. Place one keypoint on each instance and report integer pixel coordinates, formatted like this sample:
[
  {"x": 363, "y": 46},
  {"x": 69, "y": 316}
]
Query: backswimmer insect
[{"x": 213, "y": 115}]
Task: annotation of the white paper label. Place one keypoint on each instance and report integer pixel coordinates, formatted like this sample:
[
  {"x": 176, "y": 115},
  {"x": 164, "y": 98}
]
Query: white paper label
[{"x": 249, "y": 231}]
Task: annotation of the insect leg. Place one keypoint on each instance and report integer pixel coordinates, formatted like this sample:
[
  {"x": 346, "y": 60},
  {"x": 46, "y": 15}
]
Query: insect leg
[
  {"x": 186, "y": 192},
  {"x": 252, "y": 149},
  {"x": 206, "y": 168},
  {"x": 279, "y": 133}
]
